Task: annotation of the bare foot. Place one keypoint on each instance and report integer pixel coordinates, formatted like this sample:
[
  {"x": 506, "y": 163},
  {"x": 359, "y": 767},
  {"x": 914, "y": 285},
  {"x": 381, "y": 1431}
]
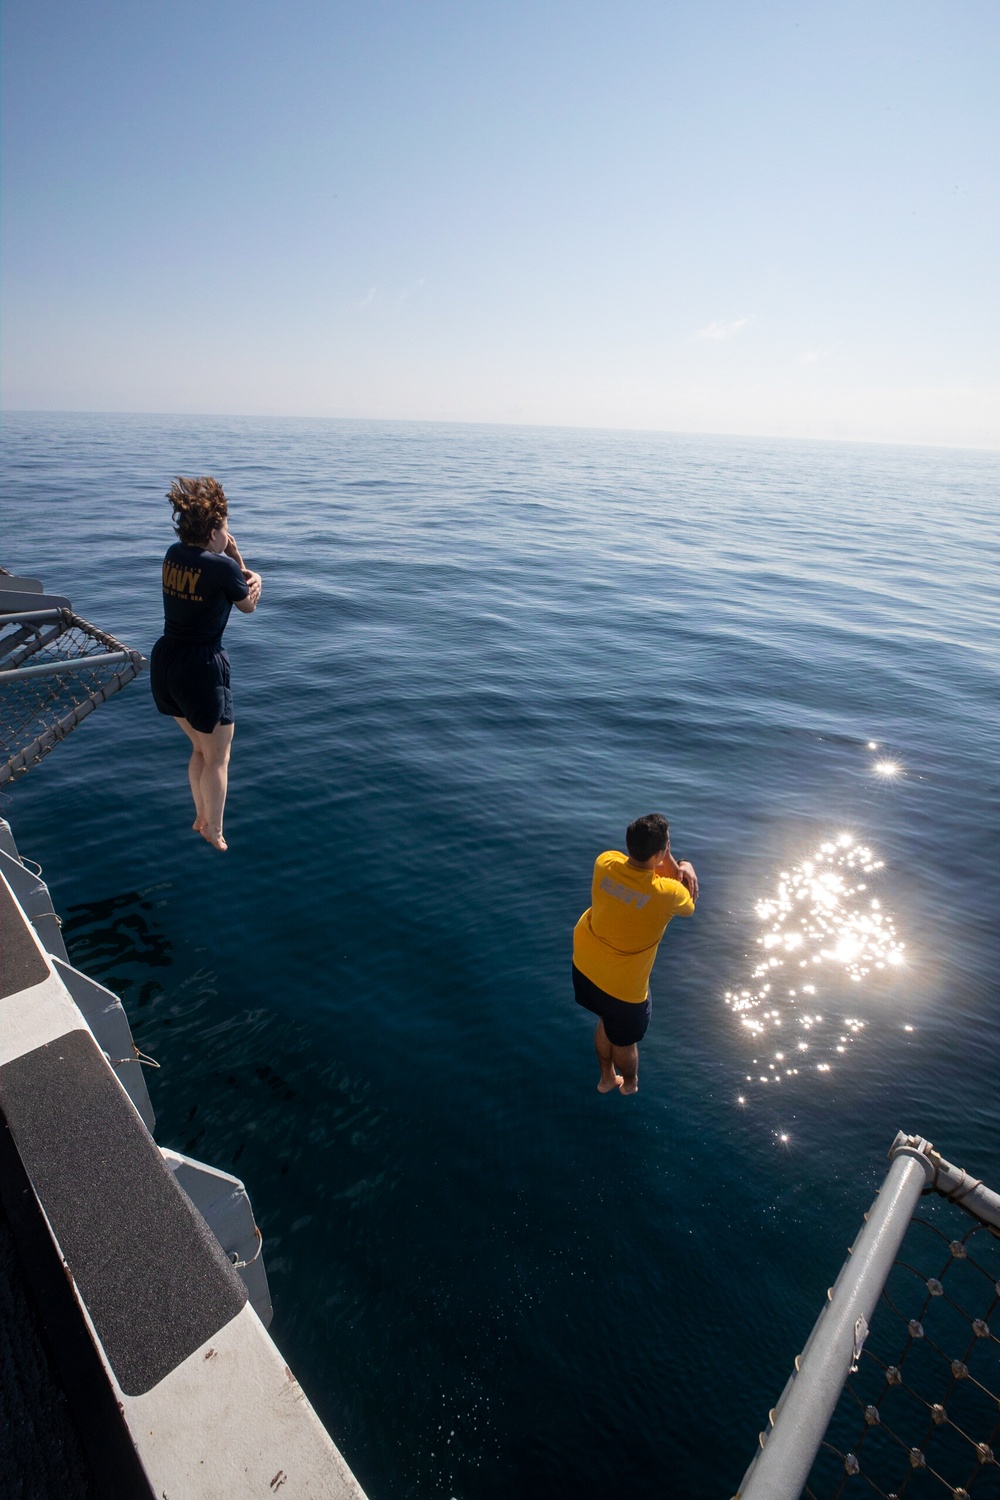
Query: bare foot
[
  {"x": 630, "y": 1088},
  {"x": 199, "y": 823},
  {"x": 215, "y": 839},
  {"x": 608, "y": 1085}
]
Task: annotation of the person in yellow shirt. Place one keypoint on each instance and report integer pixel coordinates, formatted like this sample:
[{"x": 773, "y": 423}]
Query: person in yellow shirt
[{"x": 633, "y": 898}]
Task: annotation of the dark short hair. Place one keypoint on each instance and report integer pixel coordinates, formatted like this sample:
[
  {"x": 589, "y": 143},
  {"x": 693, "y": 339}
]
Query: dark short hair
[
  {"x": 199, "y": 506},
  {"x": 647, "y": 836}
]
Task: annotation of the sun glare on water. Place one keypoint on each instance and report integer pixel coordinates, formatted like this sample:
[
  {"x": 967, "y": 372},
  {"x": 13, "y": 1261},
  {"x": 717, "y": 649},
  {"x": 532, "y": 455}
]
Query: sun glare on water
[
  {"x": 824, "y": 932},
  {"x": 885, "y": 766}
]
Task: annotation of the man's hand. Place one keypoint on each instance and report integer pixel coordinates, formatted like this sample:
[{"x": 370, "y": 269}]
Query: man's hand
[
  {"x": 254, "y": 583},
  {"x": 688, "y": 877}
]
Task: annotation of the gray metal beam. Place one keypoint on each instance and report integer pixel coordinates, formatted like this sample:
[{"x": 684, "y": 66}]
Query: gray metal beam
[
  {"x": 15, "y": 649},
  {"x": 21, "y": 616},
  {"x": 802, "y": 1415},
  {"x": 953, "y": 1183},
  {"x": 54, "y": 668}
]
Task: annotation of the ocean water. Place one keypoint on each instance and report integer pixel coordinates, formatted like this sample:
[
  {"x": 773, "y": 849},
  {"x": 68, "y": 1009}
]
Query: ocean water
[{"x": 480, "y": 652}]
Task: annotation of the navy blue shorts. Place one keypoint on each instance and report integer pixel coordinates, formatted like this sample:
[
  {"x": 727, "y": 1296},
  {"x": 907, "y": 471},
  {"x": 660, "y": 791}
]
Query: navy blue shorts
[
  {"x": 191, "y": 682},
  {"x": 625, "y": 1021}
]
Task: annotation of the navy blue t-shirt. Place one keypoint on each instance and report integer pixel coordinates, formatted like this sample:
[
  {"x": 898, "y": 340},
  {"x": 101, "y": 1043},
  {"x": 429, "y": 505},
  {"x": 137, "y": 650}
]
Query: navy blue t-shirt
[{"x": 199, "y": 590}]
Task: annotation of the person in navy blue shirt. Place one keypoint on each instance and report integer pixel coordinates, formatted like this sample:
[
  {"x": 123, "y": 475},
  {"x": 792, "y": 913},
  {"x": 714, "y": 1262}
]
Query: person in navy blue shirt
[{"x": 203, "y": 577}]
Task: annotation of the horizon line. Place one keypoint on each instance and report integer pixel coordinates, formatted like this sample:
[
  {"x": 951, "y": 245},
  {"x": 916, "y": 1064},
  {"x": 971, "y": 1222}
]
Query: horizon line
[{"x": 484, "y": 422}]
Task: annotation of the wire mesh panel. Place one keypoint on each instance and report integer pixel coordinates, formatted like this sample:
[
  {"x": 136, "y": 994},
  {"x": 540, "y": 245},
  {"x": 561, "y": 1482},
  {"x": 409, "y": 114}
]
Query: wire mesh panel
[
  {"x": 55, "y": 669},
  {"x": 920, "y": 1416},
  {"x": 897, "y": 1389}
]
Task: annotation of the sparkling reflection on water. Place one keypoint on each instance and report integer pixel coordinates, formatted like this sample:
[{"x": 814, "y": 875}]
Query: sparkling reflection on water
[{"x": 825, "y": 930}]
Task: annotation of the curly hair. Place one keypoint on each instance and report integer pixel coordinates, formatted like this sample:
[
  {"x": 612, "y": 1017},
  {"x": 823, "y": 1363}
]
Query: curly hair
[{"x": 199, "y": 507}]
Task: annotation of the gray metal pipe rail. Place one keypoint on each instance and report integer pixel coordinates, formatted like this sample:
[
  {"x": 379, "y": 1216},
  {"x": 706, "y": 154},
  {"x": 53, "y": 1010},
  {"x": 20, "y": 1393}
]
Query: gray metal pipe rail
[
  {"x": 76, "y": 664},
  {"x": 802, "y": 1415},
  {"x": 28, "y": 641},
  {"x": 26, "y": 616},
  {"x": 953, "y": 1183}
]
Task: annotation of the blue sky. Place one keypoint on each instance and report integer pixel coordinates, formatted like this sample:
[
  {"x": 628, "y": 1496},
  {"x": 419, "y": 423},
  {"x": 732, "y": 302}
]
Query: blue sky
[{"x": 773, "y": 218}]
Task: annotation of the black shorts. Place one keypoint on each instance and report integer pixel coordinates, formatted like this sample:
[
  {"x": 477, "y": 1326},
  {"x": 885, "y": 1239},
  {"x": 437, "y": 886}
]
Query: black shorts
[
  {"x": 191, "y": 682},
  {"x": 625, "y": 1021}
]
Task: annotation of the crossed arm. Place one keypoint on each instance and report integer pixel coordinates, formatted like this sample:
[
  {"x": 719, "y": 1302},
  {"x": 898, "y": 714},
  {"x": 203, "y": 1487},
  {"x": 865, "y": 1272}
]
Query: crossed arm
[
  {"x": 249, "y": 604},
  {"x": 682, "y": 870}
]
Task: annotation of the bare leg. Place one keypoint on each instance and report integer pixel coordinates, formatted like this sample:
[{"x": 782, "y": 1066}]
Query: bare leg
[
  {"x": 196, "y": 766},
  {"x": 627, "y": 1059},
  {"x": 214, "y": 784},
  {"x": 609, "y": 1078},
  {"x": 208, "y": 773}
]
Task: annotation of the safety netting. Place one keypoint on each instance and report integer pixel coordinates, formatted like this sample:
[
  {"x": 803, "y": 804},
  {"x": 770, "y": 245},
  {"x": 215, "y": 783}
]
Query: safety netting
[
  {"x": 55, "y": 669},
  {"x": 920, "y": 1414}
]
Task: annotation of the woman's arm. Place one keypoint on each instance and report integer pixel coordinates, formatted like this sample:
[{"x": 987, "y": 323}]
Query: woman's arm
[
  {"x": 234, "y": 552},
  {"x": 249, "y": 604}
]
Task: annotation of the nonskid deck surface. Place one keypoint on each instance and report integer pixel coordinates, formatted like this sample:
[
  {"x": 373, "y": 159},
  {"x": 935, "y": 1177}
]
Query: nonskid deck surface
[
  {"x": 148, "y": 1302},
  {"x": 23, "y": 966},
  {"x": 151, "y": 1273}
]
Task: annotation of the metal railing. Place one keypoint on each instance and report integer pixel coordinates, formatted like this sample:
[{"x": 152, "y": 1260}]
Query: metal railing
[
  {"x": 799, "y": 1422},
  {"x": 55, "y": 669}
]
